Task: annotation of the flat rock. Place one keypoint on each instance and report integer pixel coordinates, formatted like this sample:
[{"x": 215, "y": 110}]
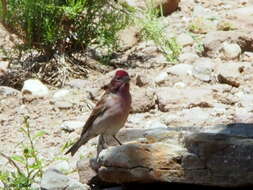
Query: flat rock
[
  {"x": 215, "y": 156},
  {"x": 130, "y": 155},
  {"x": 174, "y": 98}
]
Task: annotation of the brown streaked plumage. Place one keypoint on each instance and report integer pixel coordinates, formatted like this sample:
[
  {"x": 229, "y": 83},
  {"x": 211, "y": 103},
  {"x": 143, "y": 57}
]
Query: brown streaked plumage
[{"x": 110, "y": 113}]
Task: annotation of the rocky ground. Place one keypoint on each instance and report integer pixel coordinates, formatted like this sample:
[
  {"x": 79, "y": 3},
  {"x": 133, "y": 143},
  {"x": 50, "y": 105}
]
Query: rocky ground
[{"x": 211, "y": 84}]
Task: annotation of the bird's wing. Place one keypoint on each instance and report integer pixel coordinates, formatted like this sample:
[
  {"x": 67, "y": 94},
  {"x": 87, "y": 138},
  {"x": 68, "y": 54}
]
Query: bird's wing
[{"x": 99, "y": 109}]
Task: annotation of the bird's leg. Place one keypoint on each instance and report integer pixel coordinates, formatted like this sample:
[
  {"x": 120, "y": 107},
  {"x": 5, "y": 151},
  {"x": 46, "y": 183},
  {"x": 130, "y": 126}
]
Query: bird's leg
[
  {"x": 116, "y": 139},
  {"x": 101, "y": 144}
]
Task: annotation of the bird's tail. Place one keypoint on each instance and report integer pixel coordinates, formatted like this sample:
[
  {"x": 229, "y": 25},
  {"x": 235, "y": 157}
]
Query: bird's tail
[{"x": 75, "y": 147}]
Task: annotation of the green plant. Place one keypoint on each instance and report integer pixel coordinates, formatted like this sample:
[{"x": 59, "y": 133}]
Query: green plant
[
  {"x": 225, "y": 26},
  {"x": 198, "y": 45},
  {"x": 65, "y": 26},
  {"x": 152, "y": 28},
  {"x": 27, "y": 166},
  {"x": 198, "y": 26}
]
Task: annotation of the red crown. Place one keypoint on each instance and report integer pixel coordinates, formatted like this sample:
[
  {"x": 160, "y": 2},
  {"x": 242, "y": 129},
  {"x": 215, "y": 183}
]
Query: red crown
[{"x": 121, "y": 73}]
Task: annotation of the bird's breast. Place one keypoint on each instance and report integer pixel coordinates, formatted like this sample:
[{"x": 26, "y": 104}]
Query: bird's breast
[{"x": 114, "y": 117}]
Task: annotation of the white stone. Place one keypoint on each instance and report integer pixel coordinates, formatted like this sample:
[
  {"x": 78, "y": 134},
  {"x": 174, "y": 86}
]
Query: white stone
[
  {"x": 35, "y": 88},
  {"x": 231, "y": 51},
  {"x": 161, "y": 78},
  {"x": 61, "y": 93},
  {"x": 185, "y": 40},
  {"x": 180, "y": 85},
  {"x": 180, "y": 69},
  {"x": 71, "y": 126}
]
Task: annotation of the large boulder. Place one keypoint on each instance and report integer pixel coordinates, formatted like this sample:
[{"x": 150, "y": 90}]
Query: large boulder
[{"x": 215, "y": 156}]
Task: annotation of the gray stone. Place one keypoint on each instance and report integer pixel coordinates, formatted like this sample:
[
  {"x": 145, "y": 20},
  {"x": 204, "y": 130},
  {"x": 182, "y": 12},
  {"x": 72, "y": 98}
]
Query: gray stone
[
  {"x": 188, "y": 58},
  {"x": 185, "y": 40},
  {"x": 180, "y": 69},
  {"x": 203, "y": 69},
  {"x": 54, "y": 180}
]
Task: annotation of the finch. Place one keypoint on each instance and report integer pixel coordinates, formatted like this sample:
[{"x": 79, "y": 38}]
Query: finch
[{"x": 109, "y": 114}]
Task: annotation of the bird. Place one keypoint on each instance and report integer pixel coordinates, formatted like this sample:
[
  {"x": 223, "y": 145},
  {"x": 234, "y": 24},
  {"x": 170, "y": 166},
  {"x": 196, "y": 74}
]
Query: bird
[{"x": 110, "y": 113}]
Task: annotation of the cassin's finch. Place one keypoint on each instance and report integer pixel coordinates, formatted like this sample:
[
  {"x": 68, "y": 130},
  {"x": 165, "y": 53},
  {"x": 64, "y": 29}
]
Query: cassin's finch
[{"x": 110, "y": 113}]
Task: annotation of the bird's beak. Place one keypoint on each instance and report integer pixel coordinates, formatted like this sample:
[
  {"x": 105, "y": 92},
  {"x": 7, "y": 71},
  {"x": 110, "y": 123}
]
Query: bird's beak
[{"x": 126, "y": 79}]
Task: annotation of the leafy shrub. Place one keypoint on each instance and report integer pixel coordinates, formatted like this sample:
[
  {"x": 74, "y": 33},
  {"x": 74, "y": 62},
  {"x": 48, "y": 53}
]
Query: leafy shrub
[
  {"x": 152, "y": 28},
  {"x": 65, "y": 25}
]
